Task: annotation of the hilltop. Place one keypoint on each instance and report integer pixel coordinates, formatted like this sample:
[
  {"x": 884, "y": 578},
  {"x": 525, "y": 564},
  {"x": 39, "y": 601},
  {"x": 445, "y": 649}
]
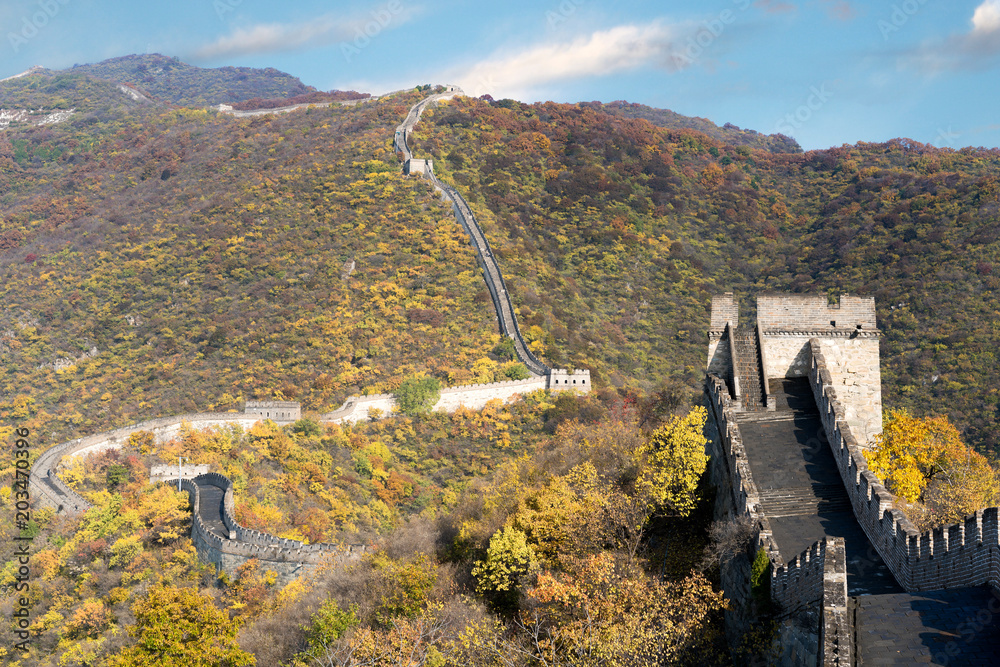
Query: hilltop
[
  {"x": 170, "y": 80},
  {"x": 727, "y": 134}
]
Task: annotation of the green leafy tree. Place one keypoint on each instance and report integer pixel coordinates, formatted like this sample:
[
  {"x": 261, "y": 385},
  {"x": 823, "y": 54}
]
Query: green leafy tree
[
  {"x": 327, "y": 625},
  {"x": 417, "y": 395},
  {"x": 307, "y": 427},
  {"x": 117, "y": 475},
  {"x": 179, "y": 627},
  {"x": 505, "y": 349},
  {"x": 517, "y": 372}
]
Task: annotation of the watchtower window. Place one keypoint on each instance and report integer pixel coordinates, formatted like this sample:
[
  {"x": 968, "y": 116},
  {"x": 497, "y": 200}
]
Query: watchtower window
[{"x": 833, "y": 323}]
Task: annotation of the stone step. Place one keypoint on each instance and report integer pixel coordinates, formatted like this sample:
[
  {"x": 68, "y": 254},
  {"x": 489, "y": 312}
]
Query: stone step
[
  {"x": 748, "y": 369},
  {"x": 804, "y": 501}
]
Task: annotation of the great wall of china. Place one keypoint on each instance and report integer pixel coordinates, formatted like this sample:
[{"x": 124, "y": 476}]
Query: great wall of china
[
  {"x": 217, "y": 536},
  {"x": 796, "y": 398}
]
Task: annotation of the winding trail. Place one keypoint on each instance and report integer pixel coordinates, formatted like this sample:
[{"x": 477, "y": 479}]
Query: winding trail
[{"x": 506, "y": 317}]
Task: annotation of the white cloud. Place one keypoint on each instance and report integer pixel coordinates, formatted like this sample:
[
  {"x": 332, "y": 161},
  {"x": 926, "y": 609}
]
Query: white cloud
[
  {"x": 986, "y": 18},
  {"x": 976, "y": 49},
  {"x": 601, "y": 53},
  {"x": 328, "y": 29}
]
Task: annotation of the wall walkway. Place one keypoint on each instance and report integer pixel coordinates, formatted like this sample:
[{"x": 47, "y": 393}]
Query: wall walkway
[{"x": 491, "y": 268}]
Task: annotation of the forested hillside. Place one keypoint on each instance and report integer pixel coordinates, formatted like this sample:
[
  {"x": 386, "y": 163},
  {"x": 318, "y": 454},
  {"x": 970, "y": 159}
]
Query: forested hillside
[
  {"x": 727, "y": 134},
  {"x": 159, "y": 262},
  {"x": 173, "y": 81},
  {"x": 159, "y": 259},
  {"x": 615, "y": 233}
]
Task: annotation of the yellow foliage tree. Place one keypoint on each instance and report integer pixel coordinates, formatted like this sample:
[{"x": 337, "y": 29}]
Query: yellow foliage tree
[
  {"x": 924, "y": 460},
  {"x": 675, "y": 460},
  {"x": 603, "y": 615}
]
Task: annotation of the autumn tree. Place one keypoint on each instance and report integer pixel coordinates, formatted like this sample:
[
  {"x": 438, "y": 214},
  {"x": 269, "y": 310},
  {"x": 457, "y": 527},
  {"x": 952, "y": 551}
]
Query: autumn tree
[
  {"x": 179, "y": 627},
  {"x": 602, "y": 614},
  {"x": 924, "y": 461},
  {"x": 674, "y": 461},
  {"x": 509, "y": 558}
]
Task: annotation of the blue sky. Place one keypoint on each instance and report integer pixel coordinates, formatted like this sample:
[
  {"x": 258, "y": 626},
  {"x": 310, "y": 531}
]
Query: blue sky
[{"x": 827, "y": 72}]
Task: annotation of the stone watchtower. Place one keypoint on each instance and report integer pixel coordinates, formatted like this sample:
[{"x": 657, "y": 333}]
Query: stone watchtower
[
  {"x": 776, "y": 346},
  {"x": 278, "y": 411}
]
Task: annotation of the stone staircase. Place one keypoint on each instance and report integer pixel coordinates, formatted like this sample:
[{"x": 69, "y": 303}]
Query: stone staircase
[
  {"x": 748, "y": 369},
  {"x": 805, "y": 501}
]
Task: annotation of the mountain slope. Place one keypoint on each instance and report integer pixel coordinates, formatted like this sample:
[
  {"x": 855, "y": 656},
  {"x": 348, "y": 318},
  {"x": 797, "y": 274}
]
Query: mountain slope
[
  {"x": 176, "y": 82},
  {"x": 162, "y": 262},
  {"x": 614, "y": 234},
  {"x": 728, "y": 133}
]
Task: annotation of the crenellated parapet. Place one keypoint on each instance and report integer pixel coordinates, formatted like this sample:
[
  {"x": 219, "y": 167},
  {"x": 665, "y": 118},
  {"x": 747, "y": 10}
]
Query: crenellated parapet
[
  {"x": 287, "y": 558},
  {"x": 470, "y": 396},
  {"x": 812, "y": 585},
  {"x": 955, "y": 556},
  {"x": 746, "y": 497}
]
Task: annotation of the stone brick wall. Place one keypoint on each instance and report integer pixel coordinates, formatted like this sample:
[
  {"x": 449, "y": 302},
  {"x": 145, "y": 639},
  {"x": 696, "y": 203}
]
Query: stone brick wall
[
  {"x": 810, "y": 312},
  {"x": 360, "y": 408},
  {"x": 50, "y": 491},
  {"x": 277, "y": 411},
  {"x": 746, "y": 497},
  {"x": 960, "y": 555},
  {"x": 725, "y": 309},
  {"x": 287, "y": 558},
  {"x": 813, "y": 585},
  {"x": 786, "y": 354},
  {"x": 162, "y": 473},
  {"x": 560, "y": 379},
  {"x": 476, "y": 396},
  {"x": 853, "y": 364},
  {"x": 415, "y": 166},
  {"x": 472, "y": 396},
  {"x": 720, "y": 361}
]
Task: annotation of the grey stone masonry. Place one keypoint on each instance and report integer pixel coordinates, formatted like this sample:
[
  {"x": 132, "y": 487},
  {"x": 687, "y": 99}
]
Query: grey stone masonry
[
  {"x": 814, "y": 583},
  {"x": 956, "y": 556},
  {"x": 748, "y": 370},
  {"x": 277, "y": 411},
  {"x": 219, "y": 539},
  {"x": 809, "y": 312},
  {"x": 725, "y": 309}
]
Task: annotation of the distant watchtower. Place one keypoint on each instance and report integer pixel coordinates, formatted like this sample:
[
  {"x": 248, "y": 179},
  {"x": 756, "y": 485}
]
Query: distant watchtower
[
  {"x": 749, "y": 357},
  {"x": 415, "y": 166},
  {"x": 278, "y": 411}
]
